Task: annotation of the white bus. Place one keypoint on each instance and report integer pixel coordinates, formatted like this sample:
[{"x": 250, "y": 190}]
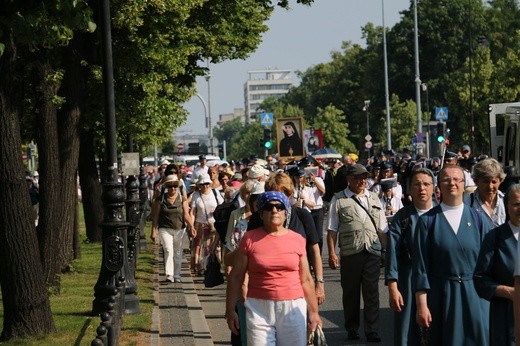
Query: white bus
[
  {"x": 504, "y": 121},
  {"x": 192, "y": 160}
]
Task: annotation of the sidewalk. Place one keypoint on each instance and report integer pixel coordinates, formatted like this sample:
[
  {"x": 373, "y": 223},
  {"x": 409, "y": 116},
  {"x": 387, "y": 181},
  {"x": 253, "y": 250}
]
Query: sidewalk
[{"x": 187, "y": 313}]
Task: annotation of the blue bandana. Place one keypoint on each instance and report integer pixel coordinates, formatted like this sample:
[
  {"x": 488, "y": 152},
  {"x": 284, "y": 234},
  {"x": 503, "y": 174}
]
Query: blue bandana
[{"x": 269, "y": 196}]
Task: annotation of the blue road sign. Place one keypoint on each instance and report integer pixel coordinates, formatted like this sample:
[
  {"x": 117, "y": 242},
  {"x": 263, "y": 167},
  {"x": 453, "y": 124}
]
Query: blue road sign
[
  {"x": 266, "y": 119},
  {"x": 441, "y": 113},
  {"x": 420, "y": 137}
]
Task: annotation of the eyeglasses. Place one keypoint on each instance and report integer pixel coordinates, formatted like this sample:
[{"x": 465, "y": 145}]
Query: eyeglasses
[
  {"x": 269, "y": 207},
  {"x": 419, "y": 185},
  {"x": 449, "y": 180}
]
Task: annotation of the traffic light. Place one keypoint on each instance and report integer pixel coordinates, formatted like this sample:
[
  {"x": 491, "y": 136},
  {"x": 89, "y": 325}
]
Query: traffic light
[
  {"x": 440, "y": 132},
  {"x": 221, "y": 150},
  {"x": 268, "y": 144}
]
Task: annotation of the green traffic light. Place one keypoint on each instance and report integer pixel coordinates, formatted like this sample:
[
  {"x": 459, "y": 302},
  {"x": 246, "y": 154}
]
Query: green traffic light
[
  {"x": 440, "y": 139},
  {"x": 268, "y": 145}
]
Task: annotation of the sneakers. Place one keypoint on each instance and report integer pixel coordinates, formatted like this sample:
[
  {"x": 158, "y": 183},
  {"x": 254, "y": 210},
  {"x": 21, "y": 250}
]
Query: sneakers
[
  {"x": 169, "y": 278},
  {"x": 178, "y": 280}
]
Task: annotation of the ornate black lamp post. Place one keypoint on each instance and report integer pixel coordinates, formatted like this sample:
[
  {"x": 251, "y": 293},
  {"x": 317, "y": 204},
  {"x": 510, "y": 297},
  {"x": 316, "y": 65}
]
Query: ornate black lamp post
[
  {"x": 133, "y": 218},
  {"x": 114, "y": 226}
]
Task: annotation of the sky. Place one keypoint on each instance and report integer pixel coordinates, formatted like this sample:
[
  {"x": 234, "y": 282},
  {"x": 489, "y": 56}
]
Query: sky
[{"x": 298, "y": 39}]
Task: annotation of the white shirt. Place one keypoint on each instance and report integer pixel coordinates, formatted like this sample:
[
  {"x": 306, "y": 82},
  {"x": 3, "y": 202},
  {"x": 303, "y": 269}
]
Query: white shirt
[
  {"x": 316, "y": 194},
  {"x": 453, "y": 215},
  {"x": 498, "y": 216},
  {"x": 198, "y": 171},
  {"x": 204, "y": 205},
  {"x": 363, "y": 198},
  {"x": 395, "y": 204}
]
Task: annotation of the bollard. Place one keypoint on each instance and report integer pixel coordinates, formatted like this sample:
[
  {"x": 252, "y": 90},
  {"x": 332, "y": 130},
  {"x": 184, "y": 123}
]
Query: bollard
[
  {"x": 132, "y": 216},
  {"x": 144, "y": 208},
  {"x": 113, "y": 246}
]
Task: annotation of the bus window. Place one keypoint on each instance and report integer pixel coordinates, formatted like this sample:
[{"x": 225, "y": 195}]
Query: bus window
[{"x": 510, "y": 144}]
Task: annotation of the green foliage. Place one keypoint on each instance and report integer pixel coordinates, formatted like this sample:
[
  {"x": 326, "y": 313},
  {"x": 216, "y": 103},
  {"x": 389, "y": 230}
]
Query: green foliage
[
  {"x": 248, "y": 142},
  {"x": 228, "y": 130},
  {"x": 449, "y": 30},
  {"x": 72, "y": 307},
  {"x": 403, "y": 117},
  {"x": 335, "y": 130},
  {"x": 169, "y": 147}
]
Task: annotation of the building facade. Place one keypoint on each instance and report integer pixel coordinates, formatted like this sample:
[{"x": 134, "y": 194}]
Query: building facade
[{"x": 263, "y": 84}]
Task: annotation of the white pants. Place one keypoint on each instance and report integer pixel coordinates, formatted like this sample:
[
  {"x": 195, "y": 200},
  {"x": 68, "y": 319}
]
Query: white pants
[
  {"x": 276, "y": 322},
  {"x": 171, "y": 241}
]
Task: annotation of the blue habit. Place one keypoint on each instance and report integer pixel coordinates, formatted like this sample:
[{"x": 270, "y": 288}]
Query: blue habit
[
  {"x": 443, "y": 265},
  {"x": 495, "y": 266},
  {"x": 398, "y": 267}
]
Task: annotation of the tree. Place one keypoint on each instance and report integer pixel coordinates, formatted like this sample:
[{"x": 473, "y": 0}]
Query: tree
[
  {"x": 248, "y": 142},
  {"x": 402, "y": 115},
  {"x": 158, "y": 47},
  {"x": 27, "y": 308},
  {"x": 334, "y": 129}
]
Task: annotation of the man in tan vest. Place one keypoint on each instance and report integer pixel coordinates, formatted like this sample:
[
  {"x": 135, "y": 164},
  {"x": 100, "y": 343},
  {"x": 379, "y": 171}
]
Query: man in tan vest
[{"x": 358, "y": 221}]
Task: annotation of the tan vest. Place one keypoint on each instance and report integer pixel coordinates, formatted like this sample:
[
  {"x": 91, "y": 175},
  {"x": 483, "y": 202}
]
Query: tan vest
[{"x": 354, "y": 234}]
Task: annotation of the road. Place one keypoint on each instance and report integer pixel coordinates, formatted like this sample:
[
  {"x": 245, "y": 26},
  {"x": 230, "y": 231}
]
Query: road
[{"x": 331, "y": 311}]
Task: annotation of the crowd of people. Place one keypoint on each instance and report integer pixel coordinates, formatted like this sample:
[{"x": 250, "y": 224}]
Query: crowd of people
[{"x": 445, "y": 229}]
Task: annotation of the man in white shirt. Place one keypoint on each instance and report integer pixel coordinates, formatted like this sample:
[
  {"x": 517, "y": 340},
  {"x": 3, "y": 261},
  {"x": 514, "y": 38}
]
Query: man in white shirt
[
  {"x": 201, "y": 168},
  {"x": 357, "y": 219}
]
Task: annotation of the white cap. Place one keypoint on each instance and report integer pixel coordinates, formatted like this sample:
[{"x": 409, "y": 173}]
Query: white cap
[
  {"x": 170, "y": 178},
  {"x": 257, "y": 171},
  {"x": 258, "y": 188},
  {"x": 203, "y": 179},
  {"x": 165, "y": 162}
]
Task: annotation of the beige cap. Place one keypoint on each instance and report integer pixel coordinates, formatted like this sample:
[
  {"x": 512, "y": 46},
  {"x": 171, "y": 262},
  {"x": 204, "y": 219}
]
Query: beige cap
[
  {"x": 257, "y": 171},
  {"x": 170, "y": 178},
  {"x": 203, "y": 179}
]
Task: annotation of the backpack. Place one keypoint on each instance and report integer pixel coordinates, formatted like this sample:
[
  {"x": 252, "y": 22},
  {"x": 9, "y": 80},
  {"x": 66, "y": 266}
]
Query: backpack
[{"x": 222, "y": 214}]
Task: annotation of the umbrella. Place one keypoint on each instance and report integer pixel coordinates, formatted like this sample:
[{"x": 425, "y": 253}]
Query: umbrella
[{"x": 326, "y": 153}]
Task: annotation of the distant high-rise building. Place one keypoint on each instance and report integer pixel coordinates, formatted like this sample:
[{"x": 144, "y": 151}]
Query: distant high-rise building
[
  {"x": 263, "y": 84},
  {"x": 237, "y": 113}
]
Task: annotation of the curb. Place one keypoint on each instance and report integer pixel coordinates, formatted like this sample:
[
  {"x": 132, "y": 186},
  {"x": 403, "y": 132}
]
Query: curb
[{"x": 177, "y": 302}]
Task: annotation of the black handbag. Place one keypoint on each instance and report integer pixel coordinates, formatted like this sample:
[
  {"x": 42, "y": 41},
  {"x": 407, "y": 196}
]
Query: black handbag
[{"x": 212, "y": 275}]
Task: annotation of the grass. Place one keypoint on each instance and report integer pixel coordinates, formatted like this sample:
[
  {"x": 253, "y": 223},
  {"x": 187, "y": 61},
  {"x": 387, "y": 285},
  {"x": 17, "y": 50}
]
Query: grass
[{"x": 72, "y": 308}]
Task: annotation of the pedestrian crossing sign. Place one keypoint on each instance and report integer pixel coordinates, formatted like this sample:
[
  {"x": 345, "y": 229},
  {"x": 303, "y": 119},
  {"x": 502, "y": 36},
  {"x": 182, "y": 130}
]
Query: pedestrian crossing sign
[
  {"x": 441, "y": 113},
  {"x": 266, "y": 119}
]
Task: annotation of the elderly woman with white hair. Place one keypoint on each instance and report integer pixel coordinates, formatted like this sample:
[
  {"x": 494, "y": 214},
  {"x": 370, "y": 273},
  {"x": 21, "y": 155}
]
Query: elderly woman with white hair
[{"x": 487, "y": 198}]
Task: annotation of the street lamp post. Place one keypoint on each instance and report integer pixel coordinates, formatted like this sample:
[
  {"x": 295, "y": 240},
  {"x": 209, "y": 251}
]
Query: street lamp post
[
  {"x": 113, "y": 225},
  {"x": 365, "y": 108},
  {"x": 470, "y": 63},
  {"x": 208, "y": 77},
  {"x": 387, "y": 93},
  {"x": 417, "y": 74},
  {"x": 208, "y": 119}
]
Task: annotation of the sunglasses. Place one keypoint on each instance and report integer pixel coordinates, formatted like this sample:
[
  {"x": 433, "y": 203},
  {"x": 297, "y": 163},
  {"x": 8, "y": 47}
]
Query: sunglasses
[
  {"x": 171, "y": 185},
  {"x": 269, "y": 207}
]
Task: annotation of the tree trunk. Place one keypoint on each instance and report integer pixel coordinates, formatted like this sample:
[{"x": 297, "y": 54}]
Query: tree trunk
[
  {"x": 59, "y": 141},
  {"x": 26, "y": 304},
  {"x": 50, "y": 225},
  {"x": 73, "y": 89},
  {"x": 90, "y": 187}
]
